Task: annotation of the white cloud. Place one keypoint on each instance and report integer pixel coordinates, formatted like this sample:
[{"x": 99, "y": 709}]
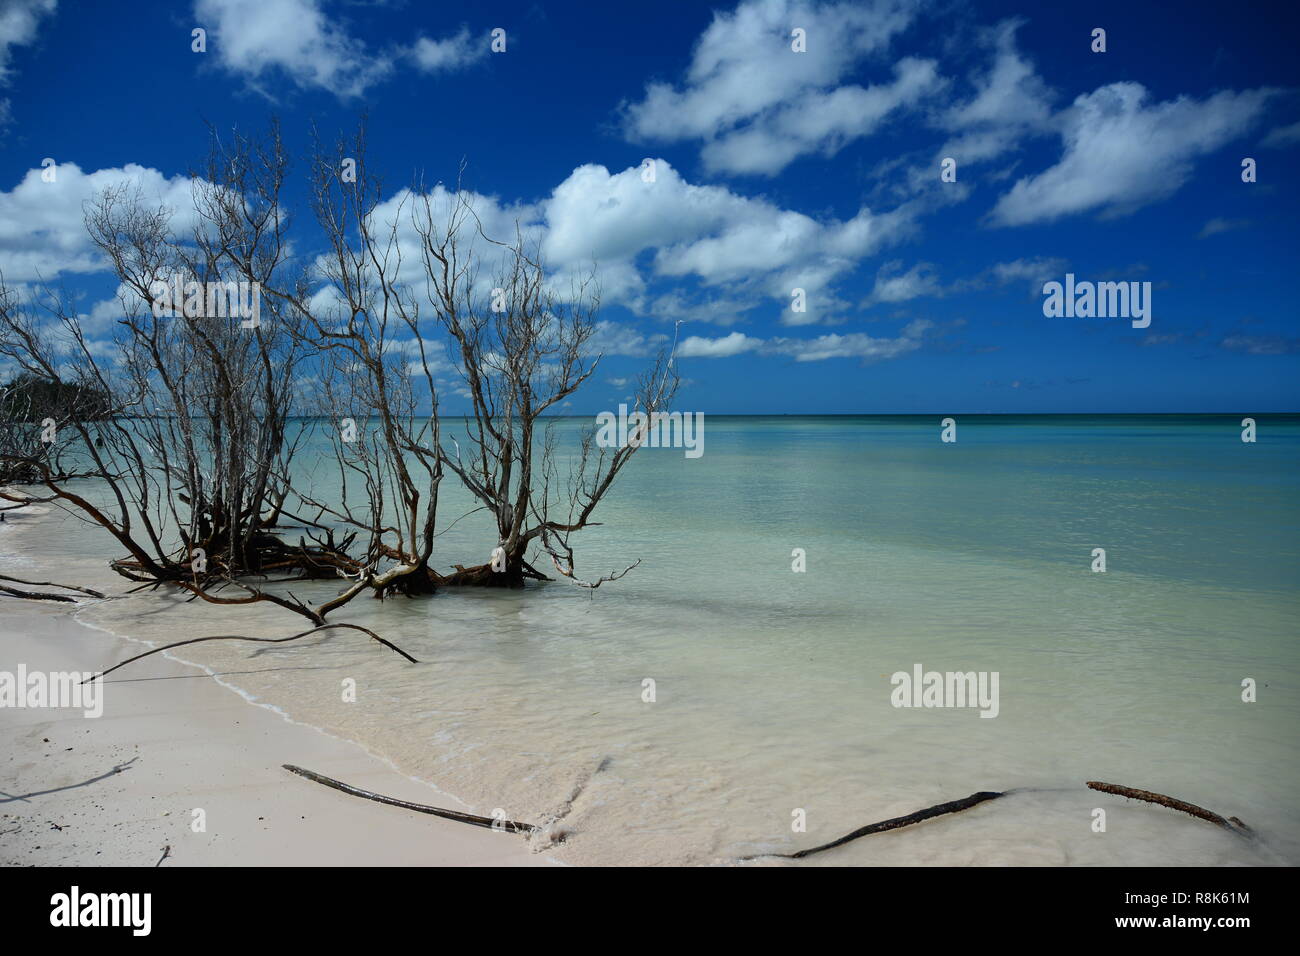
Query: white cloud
[
  {"x": 453, "y": 53},
  {"x": 1218, "y": 224},
  {"x": 744, "y": 251},
  {"x": 1122, "y": 152},
  {"x": 255, "y": 38},
  {"x": 818, "y": 122},
  {"x": 894, "y": 286},
  {"x": 749, "y": 246},
  {"x": 1010, "y": 101},
  {"x": 1283, "y": 136},
  {"x": 614, "y": 338},
  {"x": 852, "y": 345},
  {"x": 674, "y": 307},
  {"x": 405, "y": 208},
  {"x": 758, "y": 104},
  {"x": 1030, "y": 270},
  {"x": 19, "y": 22},
  {"x": 696, "y": 346},
  {"x": 42, "y": 225}
]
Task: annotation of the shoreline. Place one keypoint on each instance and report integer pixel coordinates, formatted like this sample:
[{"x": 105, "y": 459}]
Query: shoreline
[
  {"x": 507, "y": 710},
  {"x": 184, "y": 743}
]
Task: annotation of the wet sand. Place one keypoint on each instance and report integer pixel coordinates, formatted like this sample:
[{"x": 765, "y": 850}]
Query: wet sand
[{"x": 180, "y": 741}]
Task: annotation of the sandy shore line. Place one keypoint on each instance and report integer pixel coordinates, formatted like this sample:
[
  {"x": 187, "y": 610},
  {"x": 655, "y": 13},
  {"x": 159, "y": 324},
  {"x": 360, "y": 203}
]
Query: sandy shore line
[{"x": 184, "y": 742}]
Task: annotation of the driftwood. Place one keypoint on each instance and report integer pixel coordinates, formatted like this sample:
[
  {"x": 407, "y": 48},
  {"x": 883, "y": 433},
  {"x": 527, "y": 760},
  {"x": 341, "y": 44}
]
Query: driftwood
[
  {"x": 35, "y": 595},
  {"x": 1230, "y": 823},
  {"x": 929, "y": 813},
  {"x": 965, "y": 803},
  {"x": 45, "y": 584},
  {"x": 259, "y": 640},
  {"x": 513, "y": 826}
]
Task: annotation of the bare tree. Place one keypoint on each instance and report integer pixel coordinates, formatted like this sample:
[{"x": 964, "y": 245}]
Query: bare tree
[
  {"x": 196, "y": 442},
  {"x": 523, "y": 348},
  {"x": 193, "y": 455},
  {"x": 377, "y": 380}
]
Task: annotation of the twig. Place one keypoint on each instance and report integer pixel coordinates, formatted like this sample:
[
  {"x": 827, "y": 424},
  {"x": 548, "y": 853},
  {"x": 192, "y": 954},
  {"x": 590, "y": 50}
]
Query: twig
[
  {"x": 258, "y": 640},
  {"x": 36, "y": 596},
  {"x": 474, "y": 820},
  {"x": 52, "y": 584}
]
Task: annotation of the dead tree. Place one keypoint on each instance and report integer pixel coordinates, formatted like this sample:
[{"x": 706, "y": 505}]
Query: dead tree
[
  {"x": 522, "y": 349},
  {"x": 192, "y": 454},
  {"x": 378, "y": 384},
  {"x": 195, "y": 445}
]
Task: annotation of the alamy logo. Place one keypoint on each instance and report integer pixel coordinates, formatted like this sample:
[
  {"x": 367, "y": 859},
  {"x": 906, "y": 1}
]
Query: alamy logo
[
  {"x": 103, "y": 909},
  {"x": 82, "y": 691},
  {"x": 656, "y": 430},
  {"x": 949, "y": 689},
  {"x": 196, "y": 300},
  {"x": 1102, "y": 300}
]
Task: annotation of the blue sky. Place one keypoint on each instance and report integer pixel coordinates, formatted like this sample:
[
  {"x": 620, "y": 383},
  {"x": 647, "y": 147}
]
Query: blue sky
[{"x": 774, "y": 170}]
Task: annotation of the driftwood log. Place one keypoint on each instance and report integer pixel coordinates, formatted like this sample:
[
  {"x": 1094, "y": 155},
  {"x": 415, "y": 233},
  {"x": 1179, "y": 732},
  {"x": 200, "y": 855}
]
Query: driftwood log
[
  {"x": 1229, "y": 823},
  {"x": 43, "y": 595},
  {"x": 965, "y": 803},
  {"x": 511, "y": 826},
  {"x": 929, "y": 813}
]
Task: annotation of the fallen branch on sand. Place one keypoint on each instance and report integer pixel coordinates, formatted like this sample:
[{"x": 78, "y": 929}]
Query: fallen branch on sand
[
  {"x": 259, "y": 640},
  {"x": 919, "y": 816},
  {"x": 43, "y": 596},
  {"x": 1230, "y": 823},
  {"x": 36, "y": 596},
  {"x": 491, "y": 823},
  {"x": 965, "y": 803}
]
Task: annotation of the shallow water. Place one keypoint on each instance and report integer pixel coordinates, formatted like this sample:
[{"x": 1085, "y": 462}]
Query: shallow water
[{"x": 773, "y": 687}]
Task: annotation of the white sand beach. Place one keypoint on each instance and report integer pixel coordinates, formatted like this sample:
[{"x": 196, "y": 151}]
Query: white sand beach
[{"x": 184, "y": 742}]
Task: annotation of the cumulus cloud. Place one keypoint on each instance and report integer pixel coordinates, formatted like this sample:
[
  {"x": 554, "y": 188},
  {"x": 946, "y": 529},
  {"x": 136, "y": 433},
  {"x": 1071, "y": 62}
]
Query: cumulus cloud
[
  {"x": 695, "y": 346},
  {"x": 42, "y": 224},
  {"x": 1123, "y": 152},
  {"x": 254, "y": 39},
  {"x": 666, "y": 249},
  {"x": 758, "y": 104},
  {"x": 258, "y": 39},
  {"x": 710, "y": 234},
  {"x": 615, "y": 338}
]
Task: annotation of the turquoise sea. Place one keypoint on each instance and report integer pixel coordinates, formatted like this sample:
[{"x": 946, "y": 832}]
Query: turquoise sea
[{"x": 772, "y": 690}]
